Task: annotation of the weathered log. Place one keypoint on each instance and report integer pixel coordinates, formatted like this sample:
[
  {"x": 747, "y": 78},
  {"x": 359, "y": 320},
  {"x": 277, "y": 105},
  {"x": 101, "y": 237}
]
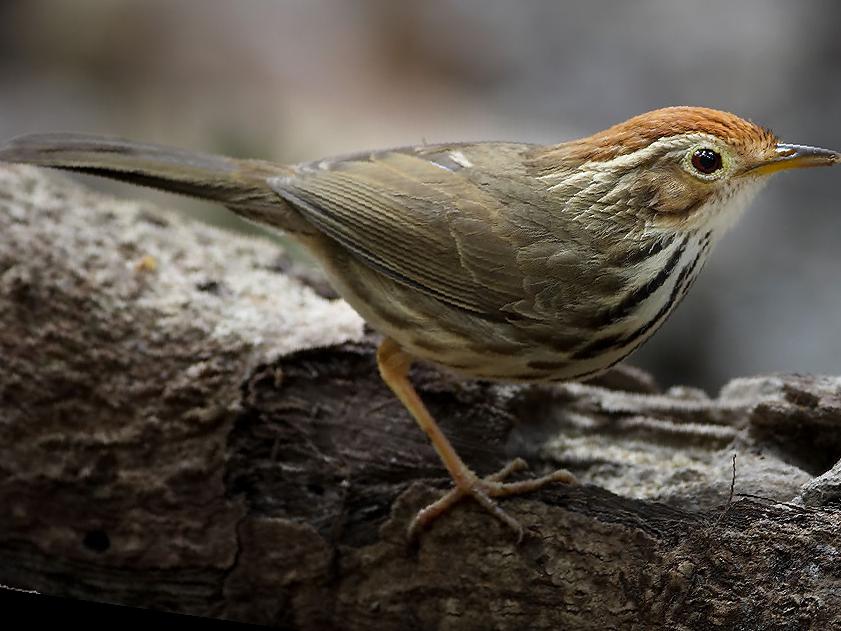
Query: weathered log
[{"x": 185, "y": 424}]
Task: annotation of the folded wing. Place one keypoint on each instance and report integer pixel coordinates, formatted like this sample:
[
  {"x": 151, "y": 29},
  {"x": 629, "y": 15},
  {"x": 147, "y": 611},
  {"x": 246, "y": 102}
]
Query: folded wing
[{"x": 417, "y": 219}]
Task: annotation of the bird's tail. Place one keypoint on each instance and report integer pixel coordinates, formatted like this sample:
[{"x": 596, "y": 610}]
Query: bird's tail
[{"x": 238, "y": 184}]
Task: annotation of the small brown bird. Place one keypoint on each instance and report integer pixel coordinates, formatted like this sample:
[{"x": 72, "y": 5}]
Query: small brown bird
[{"x": 498, "y": 260}]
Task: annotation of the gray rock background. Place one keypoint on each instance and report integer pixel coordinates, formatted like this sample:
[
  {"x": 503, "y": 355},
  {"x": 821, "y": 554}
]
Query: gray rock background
[{"x": 300, "y": 79}]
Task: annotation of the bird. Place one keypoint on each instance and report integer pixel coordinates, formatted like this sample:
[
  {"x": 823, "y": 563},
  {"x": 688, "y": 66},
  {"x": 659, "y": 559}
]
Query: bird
[{"x": 500, "y": 261}]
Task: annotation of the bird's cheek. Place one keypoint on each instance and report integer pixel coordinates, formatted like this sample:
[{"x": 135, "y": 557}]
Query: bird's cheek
[{"x": 671, "y": 195}]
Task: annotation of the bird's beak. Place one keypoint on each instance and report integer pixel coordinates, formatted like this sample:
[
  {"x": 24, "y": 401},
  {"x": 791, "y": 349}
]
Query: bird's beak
[{"x": 796, "y": 157}]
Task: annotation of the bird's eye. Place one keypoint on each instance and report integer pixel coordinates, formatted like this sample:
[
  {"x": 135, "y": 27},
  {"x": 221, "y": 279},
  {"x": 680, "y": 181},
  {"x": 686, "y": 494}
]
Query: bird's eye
[{"x": 706, "y": 161}]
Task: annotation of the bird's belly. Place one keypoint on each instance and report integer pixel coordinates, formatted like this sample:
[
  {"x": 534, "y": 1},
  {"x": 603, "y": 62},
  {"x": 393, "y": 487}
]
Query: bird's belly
[
  {"x": 507, "y": 354},
  {"x": 462, "y": 342},
  {"x": 504, "y": 352}
]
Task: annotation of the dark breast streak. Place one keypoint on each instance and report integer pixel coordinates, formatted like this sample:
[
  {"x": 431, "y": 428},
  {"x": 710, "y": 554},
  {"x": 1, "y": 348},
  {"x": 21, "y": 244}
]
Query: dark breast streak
[
  {"x": 635, "y": 298},
  {"x": 629, "y": 341}
]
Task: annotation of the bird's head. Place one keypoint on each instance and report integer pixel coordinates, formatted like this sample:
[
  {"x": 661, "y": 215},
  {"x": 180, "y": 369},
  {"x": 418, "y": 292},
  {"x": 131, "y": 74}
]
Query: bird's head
[{"x": 675, "y": 167}]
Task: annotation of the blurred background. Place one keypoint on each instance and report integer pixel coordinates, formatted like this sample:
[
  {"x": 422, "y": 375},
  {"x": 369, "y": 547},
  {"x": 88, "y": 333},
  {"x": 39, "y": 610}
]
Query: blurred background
[{"x": 295, "y": 80}]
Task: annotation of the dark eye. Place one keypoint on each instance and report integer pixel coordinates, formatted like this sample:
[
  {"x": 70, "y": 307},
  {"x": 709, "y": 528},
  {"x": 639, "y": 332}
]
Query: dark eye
[{"x": 706, "y": 161}]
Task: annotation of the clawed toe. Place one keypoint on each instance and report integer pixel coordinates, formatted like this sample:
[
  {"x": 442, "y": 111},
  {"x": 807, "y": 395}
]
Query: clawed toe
[{"x": 483, "y": 490}]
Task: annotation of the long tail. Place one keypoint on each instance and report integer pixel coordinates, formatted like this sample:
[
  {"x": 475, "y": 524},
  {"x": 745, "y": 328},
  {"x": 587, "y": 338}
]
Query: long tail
[{"x": 238, "y": 184}]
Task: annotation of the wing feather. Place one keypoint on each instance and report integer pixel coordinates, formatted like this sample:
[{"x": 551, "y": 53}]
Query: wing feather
[{"x": 416, "y": 221}]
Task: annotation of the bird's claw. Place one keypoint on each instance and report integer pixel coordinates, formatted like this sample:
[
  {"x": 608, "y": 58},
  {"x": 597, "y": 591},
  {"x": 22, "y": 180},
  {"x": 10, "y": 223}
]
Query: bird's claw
[{"x": 483, "y": 490}]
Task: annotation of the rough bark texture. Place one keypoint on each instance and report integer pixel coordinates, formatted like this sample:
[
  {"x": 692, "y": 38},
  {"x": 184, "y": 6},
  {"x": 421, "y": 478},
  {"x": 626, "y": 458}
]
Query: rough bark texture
[{"x": 185, "y": 424}]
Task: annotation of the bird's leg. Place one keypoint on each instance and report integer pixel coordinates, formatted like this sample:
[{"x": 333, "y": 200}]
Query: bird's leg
[{"x": 394, "y": 368}]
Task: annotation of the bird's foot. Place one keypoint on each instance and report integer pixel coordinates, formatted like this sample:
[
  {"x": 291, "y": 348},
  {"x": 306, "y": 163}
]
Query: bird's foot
[{"x": 483, "y": 490}]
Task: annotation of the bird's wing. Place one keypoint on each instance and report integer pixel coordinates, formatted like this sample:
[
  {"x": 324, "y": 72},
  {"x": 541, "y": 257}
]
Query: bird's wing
[{"x": 418, "y": 218}]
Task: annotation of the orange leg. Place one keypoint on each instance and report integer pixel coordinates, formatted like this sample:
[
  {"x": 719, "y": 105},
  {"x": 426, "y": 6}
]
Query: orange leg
[{"x": 394, "y": 368}]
